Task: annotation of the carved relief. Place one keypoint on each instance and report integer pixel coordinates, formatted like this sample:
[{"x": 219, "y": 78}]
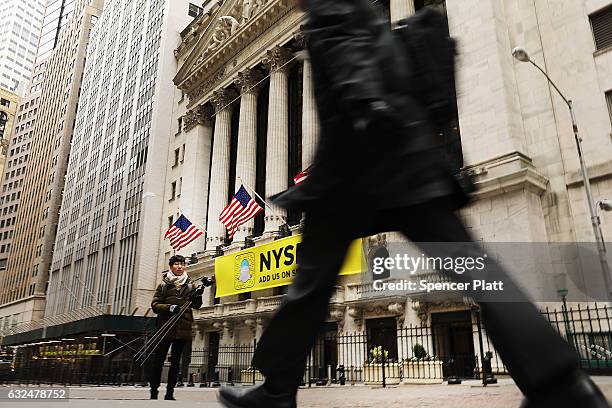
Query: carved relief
[
  {"x": 357, "y": 315},
  {"x": 258, "y": 6},
  {"x": 301, "y": 37},
  {"x": 248, "y": 79},
  {"x": 222, "y": 98},
  {"x": 396, "y": 308},
  {"x": 277, "y": 59},
  {"x": 230, "y": 35},
  {"x": 336, "y": 314},
  {"x": 206, "y": 86},
  {"x": 228, "y": 330},
  {"x": 252, "y": 325},
  {"x": 200, "y": 115},
  {"x": 422, "y": 310}
]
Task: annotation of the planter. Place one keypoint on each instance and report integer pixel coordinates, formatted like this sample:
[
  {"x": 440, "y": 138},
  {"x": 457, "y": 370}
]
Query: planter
[
  {"x": 422, "y": 372},
  {"x": 246, "y": 376},
  {"x": 373, "y": 373}
]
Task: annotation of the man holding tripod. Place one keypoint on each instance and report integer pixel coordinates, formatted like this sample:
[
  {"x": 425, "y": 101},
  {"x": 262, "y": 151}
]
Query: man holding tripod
[{"x": 174, "y": 292}]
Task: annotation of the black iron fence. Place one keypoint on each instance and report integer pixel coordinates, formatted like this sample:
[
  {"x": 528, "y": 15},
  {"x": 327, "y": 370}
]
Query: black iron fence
[
  {"x": 588, "y": 329},
  {"x": 413, "y": 354}
]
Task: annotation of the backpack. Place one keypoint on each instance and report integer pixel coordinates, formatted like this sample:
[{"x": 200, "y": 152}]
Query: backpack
[{"x": 429, "y": 53}]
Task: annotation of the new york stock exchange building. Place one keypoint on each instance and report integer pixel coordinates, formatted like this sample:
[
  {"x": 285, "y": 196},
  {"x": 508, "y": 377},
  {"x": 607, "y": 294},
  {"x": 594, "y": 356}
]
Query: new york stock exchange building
[{"x": 245, "y": 114}]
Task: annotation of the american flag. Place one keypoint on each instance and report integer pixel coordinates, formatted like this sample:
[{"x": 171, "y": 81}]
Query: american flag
[
  {"x": 241, "y": 209},
  {"x": 182, "y": 233},
  {"x": 301, "y": 176}
]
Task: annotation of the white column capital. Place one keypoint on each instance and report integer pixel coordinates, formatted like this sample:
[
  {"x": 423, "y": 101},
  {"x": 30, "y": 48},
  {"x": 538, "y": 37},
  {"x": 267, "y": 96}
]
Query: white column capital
[
  {"x": 200, "y": 115},
  {"x": 248, "y": 81},
  {"x": 277, "y": 59},
  {"x": 222, "y": 99}
]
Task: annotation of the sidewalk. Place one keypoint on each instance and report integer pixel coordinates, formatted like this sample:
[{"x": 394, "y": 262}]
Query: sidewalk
[{"x": 470, "y": 394}]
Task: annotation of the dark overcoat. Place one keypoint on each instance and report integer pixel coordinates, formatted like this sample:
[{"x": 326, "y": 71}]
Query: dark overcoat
[
  {"x": 175, "y": 295},
  {"x": 377, "y": 149}
]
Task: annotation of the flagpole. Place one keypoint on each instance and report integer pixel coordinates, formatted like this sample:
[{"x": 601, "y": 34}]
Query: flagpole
[{"x": 258, "y": 196}]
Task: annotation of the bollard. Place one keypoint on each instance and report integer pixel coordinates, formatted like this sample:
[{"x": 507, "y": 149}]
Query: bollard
[
  {"x": 216, "y": 382},
  {"x": 341, "y": 374},
  {"x": 229, "y": 376},
  {"x": 203, "y": 382},
  {"x": 180, "y": 383},
  {"x": 190, "y": 383},
  {"x": 487, "y": 371},
  {"x": 452, "y": 368}
]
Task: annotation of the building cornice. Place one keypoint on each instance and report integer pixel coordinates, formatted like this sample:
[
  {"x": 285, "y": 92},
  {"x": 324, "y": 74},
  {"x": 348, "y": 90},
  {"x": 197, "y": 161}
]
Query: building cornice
[
  {"x": 222, "y": 41},
  {"x": 507, "y": 173}
]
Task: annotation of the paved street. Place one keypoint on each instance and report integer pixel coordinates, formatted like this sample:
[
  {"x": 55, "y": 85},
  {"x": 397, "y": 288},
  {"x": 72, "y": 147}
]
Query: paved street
[{"x": 467, "y": 395}]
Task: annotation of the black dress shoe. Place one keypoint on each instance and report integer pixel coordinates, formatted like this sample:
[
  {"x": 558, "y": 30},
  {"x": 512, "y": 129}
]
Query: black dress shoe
[
  {"x": 255, "y": 397},
  {"x": 169, "y": 397},
  {"x": 578, "y": 391},
  {"x": 154, "y": 394}
]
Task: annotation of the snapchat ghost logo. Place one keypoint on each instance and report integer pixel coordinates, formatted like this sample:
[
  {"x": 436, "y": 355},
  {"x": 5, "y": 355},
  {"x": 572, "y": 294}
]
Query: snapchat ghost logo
[{"x": 244, "y": 271}]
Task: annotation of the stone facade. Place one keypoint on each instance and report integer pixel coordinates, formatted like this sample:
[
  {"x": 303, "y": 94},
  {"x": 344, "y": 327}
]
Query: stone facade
[{"x": 516, "y": 137}]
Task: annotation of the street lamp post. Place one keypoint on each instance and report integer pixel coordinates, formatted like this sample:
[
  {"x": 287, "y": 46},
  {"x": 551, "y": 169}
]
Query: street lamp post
[{"x": 521, "y": 54}]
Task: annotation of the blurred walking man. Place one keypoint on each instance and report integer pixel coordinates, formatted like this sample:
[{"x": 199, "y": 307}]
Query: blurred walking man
[{"x": 378, "y": 168}]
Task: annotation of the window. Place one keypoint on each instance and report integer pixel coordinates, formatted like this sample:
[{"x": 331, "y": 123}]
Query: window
[
  {"x": 180, "y": 125},
  {"x": 194, "y": 10},
  {"x": 183, "y": 155},
  {"x": 609, "y": 102},
  {"x": 5, "y": 102},
  {"x": 170, "y": 221},
  {"x": 177, "y": 153},
  {"x": 601, "y": 22},
  {"x": 173, "y": 191}
]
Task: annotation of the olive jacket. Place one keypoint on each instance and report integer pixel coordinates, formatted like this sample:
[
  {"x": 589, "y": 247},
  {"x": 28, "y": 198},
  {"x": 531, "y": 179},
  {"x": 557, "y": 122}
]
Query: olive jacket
[{"x": 173, "y": 295}]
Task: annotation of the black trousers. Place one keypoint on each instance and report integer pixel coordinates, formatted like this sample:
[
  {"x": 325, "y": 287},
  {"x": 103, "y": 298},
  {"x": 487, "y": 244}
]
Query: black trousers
[
  {"x": 160, "y": 357},
  {"x": 532, "y": 350}
]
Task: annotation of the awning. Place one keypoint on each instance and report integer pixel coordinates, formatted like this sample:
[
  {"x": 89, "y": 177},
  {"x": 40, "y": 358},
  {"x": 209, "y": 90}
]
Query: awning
[{"x": 102, "y": 323}]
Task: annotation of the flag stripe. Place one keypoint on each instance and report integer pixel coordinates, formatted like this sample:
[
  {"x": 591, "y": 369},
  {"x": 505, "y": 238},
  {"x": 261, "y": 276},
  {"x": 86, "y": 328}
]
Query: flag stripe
[
  {"x": 301, "y": 176},
  {"x": 182, "y": 233},
  {"x": 230, "y": 210},
  {"x": 252, "y": 210},
  {"x": 174, "y": 233},
  {"x": 241, "y": 208},
  {"x": 188, "y": 237},
  {"x": 187, "y": 241},
  {"x": 171, "y": 231},
  {"x": 186, "y": 234}
]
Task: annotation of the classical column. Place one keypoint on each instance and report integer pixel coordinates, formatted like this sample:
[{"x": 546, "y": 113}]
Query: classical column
[
  {"x": 247, "y": 139},
  {"x": 277, "y": 154},
  {"x": 310, "y": 118},
  {"x": 220, "y": 169},
  {"x": 401, "y": 9},
  {"x": 198, "y": 143}
]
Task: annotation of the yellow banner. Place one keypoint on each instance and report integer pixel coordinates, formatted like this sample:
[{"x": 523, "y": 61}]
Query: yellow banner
[{"x": 271, "y": 265}]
